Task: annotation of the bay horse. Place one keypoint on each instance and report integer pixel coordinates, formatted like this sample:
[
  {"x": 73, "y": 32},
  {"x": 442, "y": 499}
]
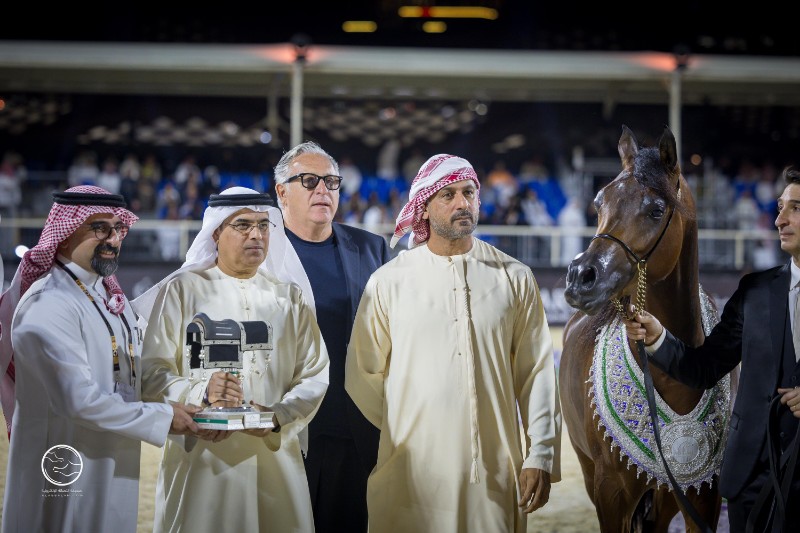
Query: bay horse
[{"x": 645, "y": 252}]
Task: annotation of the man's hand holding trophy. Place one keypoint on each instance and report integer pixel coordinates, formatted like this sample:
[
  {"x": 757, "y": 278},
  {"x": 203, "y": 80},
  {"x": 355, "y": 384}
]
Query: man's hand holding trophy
[{"x": 217, "y": 347}]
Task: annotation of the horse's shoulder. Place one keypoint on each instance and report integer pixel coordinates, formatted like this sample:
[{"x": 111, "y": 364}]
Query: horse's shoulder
[{"x": 578, "y": 326}]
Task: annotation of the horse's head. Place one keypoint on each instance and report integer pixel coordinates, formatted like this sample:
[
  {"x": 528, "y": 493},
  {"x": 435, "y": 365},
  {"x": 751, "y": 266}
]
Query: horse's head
[{"x": 641, "y": 217}]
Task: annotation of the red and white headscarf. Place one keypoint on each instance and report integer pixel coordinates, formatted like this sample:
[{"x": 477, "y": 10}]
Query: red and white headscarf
[
  {"x": 439, "y": 171},
  {"x": 63, "y": 220}
]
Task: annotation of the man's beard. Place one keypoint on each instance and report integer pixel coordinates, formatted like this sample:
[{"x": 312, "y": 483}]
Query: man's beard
[
  {"x": 449, "y": 231},
  {"x": 105, "y": 267}
]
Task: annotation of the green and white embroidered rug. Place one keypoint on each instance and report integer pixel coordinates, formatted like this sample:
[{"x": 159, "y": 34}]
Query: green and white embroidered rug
[{"x": 692, "y": 443}]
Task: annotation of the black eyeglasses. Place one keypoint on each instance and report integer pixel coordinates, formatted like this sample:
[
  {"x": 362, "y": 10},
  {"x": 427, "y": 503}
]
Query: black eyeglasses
[
  {"x": 310, "y": 181},
  {"x": 246, "y": 227},
  {"x": 102, "y": 230}
]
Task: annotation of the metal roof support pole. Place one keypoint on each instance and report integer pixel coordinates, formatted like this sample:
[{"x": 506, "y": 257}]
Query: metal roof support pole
[{"x": 681, "y": 62}]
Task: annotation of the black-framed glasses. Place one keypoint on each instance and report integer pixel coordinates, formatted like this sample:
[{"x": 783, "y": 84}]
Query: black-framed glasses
[
  {"x": 102, "y": 230},
  {"x": 246, "y": 227},
  {"x": 310, "y": 181}
]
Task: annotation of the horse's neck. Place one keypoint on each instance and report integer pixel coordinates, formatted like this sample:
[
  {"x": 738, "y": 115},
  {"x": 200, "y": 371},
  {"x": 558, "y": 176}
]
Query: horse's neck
[{"x": 675, "y": 300}]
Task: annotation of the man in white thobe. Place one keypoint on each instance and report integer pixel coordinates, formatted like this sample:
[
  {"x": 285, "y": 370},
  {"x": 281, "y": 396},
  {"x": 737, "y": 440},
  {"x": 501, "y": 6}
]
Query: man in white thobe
[
  {"x": 251, "y": 480},
  {"x": 451, "y": 357},
  {"x": 71, "y": 363}
]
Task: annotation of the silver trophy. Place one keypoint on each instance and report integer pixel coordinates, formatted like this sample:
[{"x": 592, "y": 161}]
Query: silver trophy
[{"x": 217, "y": 345}]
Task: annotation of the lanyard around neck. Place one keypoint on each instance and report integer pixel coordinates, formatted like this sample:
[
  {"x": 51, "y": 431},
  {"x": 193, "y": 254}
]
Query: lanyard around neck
[{"x": 114, "y": 351}]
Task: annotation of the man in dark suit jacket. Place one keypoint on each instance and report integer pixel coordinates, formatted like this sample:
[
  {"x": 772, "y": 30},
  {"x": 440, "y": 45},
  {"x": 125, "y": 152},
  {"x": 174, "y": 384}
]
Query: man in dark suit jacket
[
  {"x": 755, "y": 330},
  {"x": 339, "y": 259}
]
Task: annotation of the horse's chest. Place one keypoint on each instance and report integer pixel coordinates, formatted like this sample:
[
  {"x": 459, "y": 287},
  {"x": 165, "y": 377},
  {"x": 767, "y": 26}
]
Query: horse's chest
[{"x": 692, "y": 443}]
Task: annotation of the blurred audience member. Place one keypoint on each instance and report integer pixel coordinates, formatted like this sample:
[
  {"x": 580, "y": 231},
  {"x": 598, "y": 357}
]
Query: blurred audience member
[
  {"x": 533, "y": 169},
  {"x": 388, "y": 155},
  {"x": 167, "y": 196},
  {"x": 110, "y": 178},
  {"x": 375, "y": 214},
  {"x": 412, "y": 165},
  {"x": 353, "y": 210},
  {"x": 351, "y": 176},
  {"x": 186, "y": 169},
  {"x": 535, "y": 209},
  {"x": 747, "y": 215},
  {"x": 766, "y": 191},
  {"x": 572, "y": 217},
  {"x": 84, "y": 169},
  {"x": 192, "y": 206},
  {"x": 168, "y": 236},
  {"x": 12, "y": 175},
  {"x": 149, "y": 179},
  {"x": 396, "y": 201},
  {"x": 130, "y": 170},
  {"x": 502, "y": 182}
]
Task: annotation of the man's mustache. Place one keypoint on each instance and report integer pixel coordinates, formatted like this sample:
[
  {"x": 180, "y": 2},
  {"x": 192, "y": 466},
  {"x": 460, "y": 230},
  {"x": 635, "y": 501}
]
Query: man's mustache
[
  {"x": 106, "y": 248},
  {"x": 461, "y": 213}
]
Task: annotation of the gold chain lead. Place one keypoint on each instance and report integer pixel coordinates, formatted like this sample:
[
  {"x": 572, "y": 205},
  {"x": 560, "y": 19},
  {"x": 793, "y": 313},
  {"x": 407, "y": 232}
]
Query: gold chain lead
[{"x": 641, "y": 285}]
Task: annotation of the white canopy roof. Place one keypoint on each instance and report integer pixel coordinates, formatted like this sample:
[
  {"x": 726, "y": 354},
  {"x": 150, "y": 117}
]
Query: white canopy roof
[{"x": 356, "y": 72}]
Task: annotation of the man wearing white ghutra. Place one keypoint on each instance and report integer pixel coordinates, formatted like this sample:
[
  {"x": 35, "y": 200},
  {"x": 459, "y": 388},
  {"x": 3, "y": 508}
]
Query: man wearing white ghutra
[{"x": 248, "y": 479}]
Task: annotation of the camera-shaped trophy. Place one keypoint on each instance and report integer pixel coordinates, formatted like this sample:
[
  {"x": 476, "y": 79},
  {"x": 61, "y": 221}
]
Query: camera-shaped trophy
[{"x": 217, "y": 345}]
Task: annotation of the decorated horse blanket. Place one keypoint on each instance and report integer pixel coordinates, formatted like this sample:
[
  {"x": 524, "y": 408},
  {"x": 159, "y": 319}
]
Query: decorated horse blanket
[{"x": 692, "y": 443}]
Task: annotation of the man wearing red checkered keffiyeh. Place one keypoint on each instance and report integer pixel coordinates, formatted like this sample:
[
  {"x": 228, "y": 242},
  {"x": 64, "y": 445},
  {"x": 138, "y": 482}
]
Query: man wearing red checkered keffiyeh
[
  {"x": 462, "y": 326},
  {"x": 438, "y": 172},
  {"x": 70, "y": 384},
  {"x": 63, "y": 220}
]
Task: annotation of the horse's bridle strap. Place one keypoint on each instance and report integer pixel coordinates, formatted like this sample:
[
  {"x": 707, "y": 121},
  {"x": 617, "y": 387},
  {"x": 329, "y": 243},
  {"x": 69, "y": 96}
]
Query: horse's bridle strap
[{"x": 627, "y": 248}]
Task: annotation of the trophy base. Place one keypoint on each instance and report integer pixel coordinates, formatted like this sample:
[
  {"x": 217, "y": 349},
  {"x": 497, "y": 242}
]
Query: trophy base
[{"x": 233, "y": 418}]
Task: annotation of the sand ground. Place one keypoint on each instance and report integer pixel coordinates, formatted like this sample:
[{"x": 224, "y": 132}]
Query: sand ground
[{"x": 569, "y": 509}]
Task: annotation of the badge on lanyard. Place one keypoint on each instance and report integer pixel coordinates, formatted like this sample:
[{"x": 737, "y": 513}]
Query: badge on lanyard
[{"x": 126, "y": 390}]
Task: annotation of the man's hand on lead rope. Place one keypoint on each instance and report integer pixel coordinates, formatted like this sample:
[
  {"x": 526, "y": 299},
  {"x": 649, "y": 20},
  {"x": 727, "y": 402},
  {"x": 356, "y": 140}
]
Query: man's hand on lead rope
[
  {"x": 534, "y": 486},
  {"x": 791, "y": 399},
  {"x": 643, "y": 326}
]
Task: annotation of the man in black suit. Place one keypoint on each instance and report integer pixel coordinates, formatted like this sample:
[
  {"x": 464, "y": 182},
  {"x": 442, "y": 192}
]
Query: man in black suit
[
  {"x": 339, "y": 259},
  {"x": 756, "y": 330}
]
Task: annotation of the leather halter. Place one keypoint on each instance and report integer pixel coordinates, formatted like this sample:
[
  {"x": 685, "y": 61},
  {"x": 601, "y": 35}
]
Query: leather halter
[{"x": 627, "y": 248}]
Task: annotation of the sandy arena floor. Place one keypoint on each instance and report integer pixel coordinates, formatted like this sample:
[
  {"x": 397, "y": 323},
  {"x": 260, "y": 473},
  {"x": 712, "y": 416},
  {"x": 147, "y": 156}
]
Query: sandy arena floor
[{"x": 569, "y": 509}]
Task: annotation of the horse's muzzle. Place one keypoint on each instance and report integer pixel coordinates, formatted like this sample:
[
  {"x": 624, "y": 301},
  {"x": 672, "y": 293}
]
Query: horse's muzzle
[{"x": 589, "y": 285}]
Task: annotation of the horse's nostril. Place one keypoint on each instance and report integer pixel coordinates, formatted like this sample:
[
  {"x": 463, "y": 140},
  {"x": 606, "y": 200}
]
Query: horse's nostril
[
  {"x": 588, "y": 277},
  {"x": 581, "y": 276}
]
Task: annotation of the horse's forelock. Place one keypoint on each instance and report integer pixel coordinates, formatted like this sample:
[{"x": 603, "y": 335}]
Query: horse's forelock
[{"x": 649, "y": 171}]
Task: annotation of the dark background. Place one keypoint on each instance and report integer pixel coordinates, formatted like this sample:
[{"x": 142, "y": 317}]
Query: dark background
[
  {"x": 757, "y": 28},
  {"x": 763, "y": 28}
]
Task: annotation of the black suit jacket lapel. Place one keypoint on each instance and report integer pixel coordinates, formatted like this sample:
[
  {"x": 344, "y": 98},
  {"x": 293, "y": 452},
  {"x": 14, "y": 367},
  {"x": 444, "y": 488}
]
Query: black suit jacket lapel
[
  {"x": 777, "y": 312},
  {"x": 349, "y": 254}
]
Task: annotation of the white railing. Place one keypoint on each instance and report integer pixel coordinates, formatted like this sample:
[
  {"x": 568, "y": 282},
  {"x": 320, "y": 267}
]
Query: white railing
[{"x": 159, "y": 240}]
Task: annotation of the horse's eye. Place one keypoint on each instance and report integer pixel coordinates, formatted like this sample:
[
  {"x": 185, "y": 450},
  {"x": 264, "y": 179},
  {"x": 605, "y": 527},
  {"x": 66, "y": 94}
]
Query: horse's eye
[{"x": 657, "y": 213}]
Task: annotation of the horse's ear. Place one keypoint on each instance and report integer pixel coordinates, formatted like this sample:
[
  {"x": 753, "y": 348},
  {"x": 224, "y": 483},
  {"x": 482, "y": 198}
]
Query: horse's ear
[
  {"x": 627, "y": 147},
  {"x": 668, "y": 151}
]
